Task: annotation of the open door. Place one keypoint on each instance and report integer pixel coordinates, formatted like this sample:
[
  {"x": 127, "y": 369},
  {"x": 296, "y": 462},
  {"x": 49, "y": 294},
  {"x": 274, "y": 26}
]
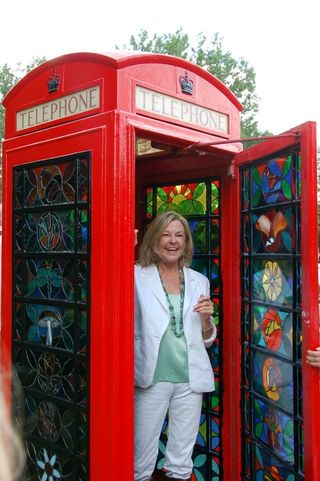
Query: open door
[{"x": 275, "y": 433}]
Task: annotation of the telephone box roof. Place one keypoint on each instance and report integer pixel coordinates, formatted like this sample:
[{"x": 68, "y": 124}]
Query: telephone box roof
[{"x": 121, "y": 60}]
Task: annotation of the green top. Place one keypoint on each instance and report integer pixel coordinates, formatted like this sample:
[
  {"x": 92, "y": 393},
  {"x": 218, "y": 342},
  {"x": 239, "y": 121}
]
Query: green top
[{"x": 172, "y": 363}]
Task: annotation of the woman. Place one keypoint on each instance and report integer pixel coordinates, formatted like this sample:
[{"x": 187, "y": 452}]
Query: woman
[{"x": 173, "y": 327}]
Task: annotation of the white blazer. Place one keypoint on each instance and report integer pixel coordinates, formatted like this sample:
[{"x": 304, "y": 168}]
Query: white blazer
[{"x": 151, "y": 321}]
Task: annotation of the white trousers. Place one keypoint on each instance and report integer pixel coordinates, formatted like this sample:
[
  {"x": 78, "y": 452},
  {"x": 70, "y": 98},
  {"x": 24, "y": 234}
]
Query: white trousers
[{"x": 151, "y": 406}]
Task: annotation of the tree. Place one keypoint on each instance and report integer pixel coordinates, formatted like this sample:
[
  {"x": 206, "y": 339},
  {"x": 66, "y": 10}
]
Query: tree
[{"x": 237, "y": 74}]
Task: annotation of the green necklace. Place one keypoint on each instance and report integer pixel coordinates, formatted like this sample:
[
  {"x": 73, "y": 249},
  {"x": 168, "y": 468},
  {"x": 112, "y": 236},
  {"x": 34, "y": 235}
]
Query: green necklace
[{"x": 177, "y": 328}]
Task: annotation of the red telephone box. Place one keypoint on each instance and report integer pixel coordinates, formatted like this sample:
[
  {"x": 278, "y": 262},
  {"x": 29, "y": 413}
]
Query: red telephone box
[{"x": 95, "y": 146}]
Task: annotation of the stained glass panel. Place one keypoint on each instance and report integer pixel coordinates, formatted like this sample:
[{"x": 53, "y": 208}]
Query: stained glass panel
[
  {"x": 18, "y": 233},
  {"x": 199, "y": 234},
  {"x": 273, "y": 379},
  {"x": 200, "y": 203},
  {"x": 273, "y": 281},
  {"x": 49, "y": 279},
  {"x": 50, "y": 184},
  {"x": 18, "y": 186},
  {"x": 83, "y": 180},
  {"x": 52, "y": 231},
  {"x": 200, "y": 264},
  {"x": 215, "y": 236},
  {"x": 215, "y": 397},
  {"x": 270, "y": 468},
  {"x": 215, "y": 197},
  {"x": 272, "y": 230},
  {"x": 149, "y": 202},
  {"x": 82, "y": 231},
  {"x": 215, "y": 434},
  {"x": 51, "y": 226},
  {"x": 187, "y": 199},
  {"x": 214, "y": 354},
  {"x": 272, "y": 181},
  {"x": 202, "y": 440},
  {"x": 271, "y": 320},
  {"x": 274, "y": 429},
  {"x": 215, "y": 277},
  {"x": 272, "y": 330}
]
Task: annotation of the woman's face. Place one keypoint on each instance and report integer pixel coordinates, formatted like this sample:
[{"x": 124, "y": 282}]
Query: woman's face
[{"x": 172, "y": 243}]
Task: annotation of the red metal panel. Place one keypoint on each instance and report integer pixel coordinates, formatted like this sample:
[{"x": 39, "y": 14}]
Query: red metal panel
[
  {"x": 111, "y": 336},
  {"x": 111, "y": 453}
]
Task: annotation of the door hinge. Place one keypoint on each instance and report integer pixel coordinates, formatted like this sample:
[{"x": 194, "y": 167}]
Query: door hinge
[{"x": 231, "y": 172}]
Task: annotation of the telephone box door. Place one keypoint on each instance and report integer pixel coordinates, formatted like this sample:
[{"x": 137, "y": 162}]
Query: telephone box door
[{"x": 278, "y": 302}]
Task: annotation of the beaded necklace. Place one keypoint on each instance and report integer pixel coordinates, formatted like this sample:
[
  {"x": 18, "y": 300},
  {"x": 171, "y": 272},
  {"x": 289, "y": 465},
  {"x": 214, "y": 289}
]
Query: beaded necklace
[{"x": 177, "y": 328}]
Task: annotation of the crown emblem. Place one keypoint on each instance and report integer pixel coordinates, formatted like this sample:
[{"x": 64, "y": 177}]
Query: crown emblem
[
  {"x": 53, "y": 82},
  {"x": 186, "y": 84}
]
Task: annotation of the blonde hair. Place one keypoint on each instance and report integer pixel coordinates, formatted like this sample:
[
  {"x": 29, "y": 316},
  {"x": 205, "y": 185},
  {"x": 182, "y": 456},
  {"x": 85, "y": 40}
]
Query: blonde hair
[
  {"x": 12, "y": 454},
  {"x": 148, "y": 253}
]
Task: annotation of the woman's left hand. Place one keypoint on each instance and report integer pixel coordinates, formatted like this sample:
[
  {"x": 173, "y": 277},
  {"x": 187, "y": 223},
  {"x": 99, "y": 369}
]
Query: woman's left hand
[
  {"x": 313, "y": 357},
  {"x": 204, "y": 308}
]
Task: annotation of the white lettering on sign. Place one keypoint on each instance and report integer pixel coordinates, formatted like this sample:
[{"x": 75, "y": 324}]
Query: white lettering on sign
[
  {"x": 76, "y": 103},
  {"x": 174, "y": 108}
]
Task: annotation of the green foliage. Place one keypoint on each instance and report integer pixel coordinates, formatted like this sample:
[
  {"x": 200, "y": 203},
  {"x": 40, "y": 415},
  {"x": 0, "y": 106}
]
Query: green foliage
[
  {"x": 176, "y": 44},
  {"x": 237, "y": 74}
]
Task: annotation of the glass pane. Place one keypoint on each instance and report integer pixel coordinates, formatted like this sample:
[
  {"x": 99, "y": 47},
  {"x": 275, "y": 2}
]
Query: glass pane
[
  {"x": 200, "y": 265},
  {"x": 272, "y": 181},
  {"x": 199, "y": 202},
  {"x": 271, "y": 320},
  {"x": 52, "y": 231},
  {"x": 272, "y": 330},
  {"x": 51, "y": 278},
  {"x": 199, "y": 235},
  {"x": 50, "y": 314},
  {"x": 273, "y": 281},
  {"x": 187, "y": 199},
  {"x": 274, "y": 429},
  {"x": 272, "y": 230},
  {"x": 149, "y": 202},
  {"x": 215, "y": 196},
  {"x": 270, "y": 468},
  {"x": 50, "y": 326},
  {"x": 215, "y": 236},
  {"x": 50, "y": 184},
  {"x": 83, "y": 180},
  {"x": 273, "y": 379}
]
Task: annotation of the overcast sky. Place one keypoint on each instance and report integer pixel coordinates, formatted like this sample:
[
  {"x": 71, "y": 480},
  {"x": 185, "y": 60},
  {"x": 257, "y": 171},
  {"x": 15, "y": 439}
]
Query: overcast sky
[{"x": 279, "y": 38}]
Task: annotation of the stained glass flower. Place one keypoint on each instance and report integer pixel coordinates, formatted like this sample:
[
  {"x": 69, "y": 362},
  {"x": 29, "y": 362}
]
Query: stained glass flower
[
  {"x": 272, "y": 330},
  {"x": 272, "y": 473},
  {"x": 274, "y": 430},
  {"x": 272, "y": 379},
  {"x": 50, "y": 473},
  {"x": 271, "y": 225},
  {"x": 272, "y": 280}
]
